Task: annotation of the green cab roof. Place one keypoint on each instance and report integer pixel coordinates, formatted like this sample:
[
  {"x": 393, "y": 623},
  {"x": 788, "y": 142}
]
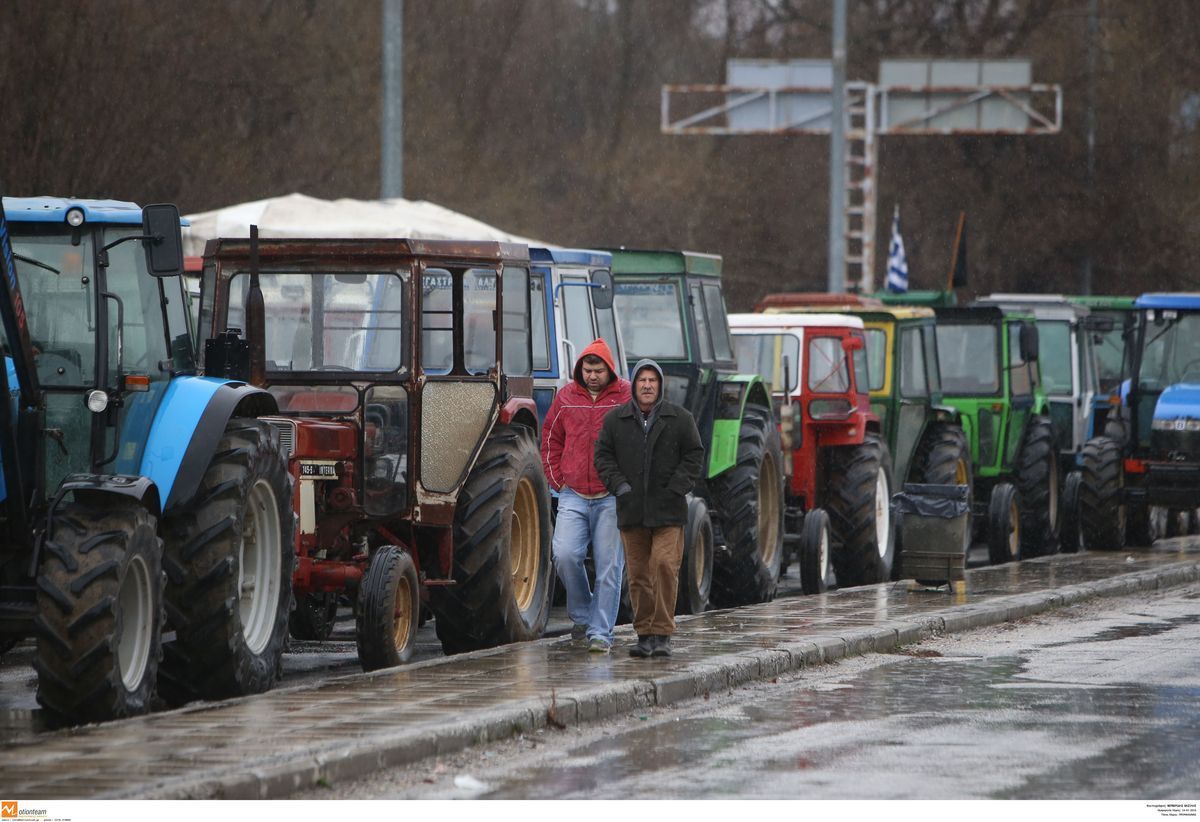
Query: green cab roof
[
  {"x": 1102, "y": 302},
  {"x": 640, "y": 261}
]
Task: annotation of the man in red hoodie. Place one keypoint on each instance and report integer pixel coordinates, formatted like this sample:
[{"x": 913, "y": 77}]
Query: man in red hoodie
[{"x": 587, "y": 513}]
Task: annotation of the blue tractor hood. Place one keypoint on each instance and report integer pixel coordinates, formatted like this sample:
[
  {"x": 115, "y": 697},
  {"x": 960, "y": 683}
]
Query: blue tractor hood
[{"x": 1179, "y": 401}]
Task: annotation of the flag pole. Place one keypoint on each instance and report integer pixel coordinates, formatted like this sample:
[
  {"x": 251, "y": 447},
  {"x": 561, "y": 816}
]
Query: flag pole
[{"x": 958, "y": 233}]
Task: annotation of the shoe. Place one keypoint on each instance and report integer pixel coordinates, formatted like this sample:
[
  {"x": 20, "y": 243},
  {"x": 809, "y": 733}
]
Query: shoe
[
  {"x": 644, "y": 647},
  {"x": 661, "y": 646},
  {"x": 596, "y": 645},
  {"x": 578, "y": 633}
]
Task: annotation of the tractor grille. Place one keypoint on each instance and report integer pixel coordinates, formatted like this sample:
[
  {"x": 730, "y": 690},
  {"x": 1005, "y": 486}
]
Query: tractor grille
[{"x": 285, "y": 431}]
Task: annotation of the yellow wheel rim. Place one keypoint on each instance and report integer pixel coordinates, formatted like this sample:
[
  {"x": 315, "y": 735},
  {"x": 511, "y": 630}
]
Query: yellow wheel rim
[
  {"x": 768, "y": 509},
  {"x": 403, "y": 615},
  {"x": 1014, "y": 536},
  {"x": 525, "y": 545},
  {"x": 960, "y": 472}
]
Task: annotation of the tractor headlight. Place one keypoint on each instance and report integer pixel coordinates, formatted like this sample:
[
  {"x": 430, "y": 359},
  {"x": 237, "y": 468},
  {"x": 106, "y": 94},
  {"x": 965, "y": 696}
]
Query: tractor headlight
[
  {"x": 1181, "y": 424},
  {"x": 75, "y": 217},
  {"x": 97, "y": 401}
]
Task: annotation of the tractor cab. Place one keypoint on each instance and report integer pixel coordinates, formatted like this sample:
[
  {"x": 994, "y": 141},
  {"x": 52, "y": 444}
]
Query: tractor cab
[
  {"x": 1164, "y": 388},
  {"x": 571, "y": 292}
]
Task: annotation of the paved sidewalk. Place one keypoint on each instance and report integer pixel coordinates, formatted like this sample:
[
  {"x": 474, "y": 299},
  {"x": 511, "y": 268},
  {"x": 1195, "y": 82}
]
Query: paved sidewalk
[{"x": 279, "y": 742}]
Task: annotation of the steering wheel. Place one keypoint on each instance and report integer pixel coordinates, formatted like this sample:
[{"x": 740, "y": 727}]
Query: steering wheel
[{"x": 1189, "y": 368}]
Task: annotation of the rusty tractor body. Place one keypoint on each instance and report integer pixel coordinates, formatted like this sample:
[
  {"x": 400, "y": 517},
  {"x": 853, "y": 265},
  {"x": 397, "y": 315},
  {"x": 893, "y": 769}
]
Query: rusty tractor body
[{"x": 402, "y": 370}]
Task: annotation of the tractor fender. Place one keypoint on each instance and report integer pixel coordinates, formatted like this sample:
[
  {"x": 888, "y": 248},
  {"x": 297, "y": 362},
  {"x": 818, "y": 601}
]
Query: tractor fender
[
  {"x": 141, "y": 489},
  {"x": 187, "y": 427},
  {"x": 520, "y": 411},
  {"x": 946, "y": 413}
]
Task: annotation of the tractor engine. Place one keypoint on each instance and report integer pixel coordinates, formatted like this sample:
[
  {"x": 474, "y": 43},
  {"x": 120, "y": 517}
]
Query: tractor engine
[{"x": 1175, "y": 429}]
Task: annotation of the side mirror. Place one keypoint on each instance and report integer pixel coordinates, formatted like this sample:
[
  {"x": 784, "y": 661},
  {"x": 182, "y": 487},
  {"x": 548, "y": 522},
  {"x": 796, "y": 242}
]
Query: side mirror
[
  {"x": 853, "y": 343},
  {"x": 602, "y": 294},
  {"x": 1029, "y": 342},
  {"x": 164, "y": 253}
]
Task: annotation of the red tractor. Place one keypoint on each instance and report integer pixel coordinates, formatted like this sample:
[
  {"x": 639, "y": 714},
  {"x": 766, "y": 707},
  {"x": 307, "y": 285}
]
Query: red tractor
[
  {"x": 402, "y": 370},
  {"x": 839, "y": 466}
]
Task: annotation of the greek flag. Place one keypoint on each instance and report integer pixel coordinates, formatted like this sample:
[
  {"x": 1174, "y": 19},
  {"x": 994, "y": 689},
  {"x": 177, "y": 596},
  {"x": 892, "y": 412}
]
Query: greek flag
[{"x": 897, "y": 263}]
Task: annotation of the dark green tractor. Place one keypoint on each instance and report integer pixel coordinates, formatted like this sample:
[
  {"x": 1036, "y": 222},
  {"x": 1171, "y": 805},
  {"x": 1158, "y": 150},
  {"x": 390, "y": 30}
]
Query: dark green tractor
[{"x": 671, "y": 309}]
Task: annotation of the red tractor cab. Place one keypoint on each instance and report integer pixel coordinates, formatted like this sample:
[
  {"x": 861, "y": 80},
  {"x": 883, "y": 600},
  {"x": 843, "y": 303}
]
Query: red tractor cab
[{"x": 816, "y": 366}]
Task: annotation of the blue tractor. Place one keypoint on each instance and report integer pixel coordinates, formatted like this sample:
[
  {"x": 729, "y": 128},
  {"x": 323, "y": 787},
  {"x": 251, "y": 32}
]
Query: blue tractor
[
  {"x": 145, "y": 511},
  {"x": 1143, "y": 472}
]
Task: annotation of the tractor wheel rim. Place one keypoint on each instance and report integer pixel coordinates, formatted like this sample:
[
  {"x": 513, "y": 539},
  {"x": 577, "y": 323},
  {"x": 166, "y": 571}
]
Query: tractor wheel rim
[
  {"x": 137, "y": 623},
  {"x": 1014, "y": 533},
  {"x": 259, "y": 567},
  {"x": 403, "y": 615},
  {"x": 1052, "y": 497},
  {"x": 699, "y": 550},
  {"x": 768, "y": 510},
  {"x": 823, "y": 554},
  {"x": 882, "y": 513},
  {"x": 525, "y": 548},
  {"x": 960, "y": 472}
]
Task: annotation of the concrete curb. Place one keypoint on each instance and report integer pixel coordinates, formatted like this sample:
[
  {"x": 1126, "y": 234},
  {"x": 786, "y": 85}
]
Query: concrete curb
[{"x": 345, "y": 761}]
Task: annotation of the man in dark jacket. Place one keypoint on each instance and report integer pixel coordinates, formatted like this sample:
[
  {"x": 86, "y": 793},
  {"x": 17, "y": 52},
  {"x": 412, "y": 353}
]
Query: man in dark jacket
[{"x": 649, "y": 455}]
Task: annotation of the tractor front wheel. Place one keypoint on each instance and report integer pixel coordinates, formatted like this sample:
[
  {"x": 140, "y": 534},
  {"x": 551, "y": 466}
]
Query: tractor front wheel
[
  {"x": 750, "y": 500},
  {"x": 502, "y": 562},
  {"x": 229, "y": 559},
  {"x": 1037, "y": 486},
  {"x": 388, "y": 610},
  {"x": 1101, "y": 513},
  {"x": 1004, "y": 525},
  {"x": 696, "y": 570},
  {"x": 99, "y": 612},
  {"x": 814, "y": 552},
  {"x": 1071, "y": 535}
]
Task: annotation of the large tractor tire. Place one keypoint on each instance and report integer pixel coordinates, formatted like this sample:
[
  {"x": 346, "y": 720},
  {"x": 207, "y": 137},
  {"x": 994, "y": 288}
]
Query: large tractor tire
[
  {"x": 696, "y": 569},
  {"x": 229, "y": 560},
  {"x": 815, "y": 542},
  {"x": 502, "y": 558},
  {"x": 99, "y": 613},
  {"x": 1036, "y": 474},
  {"x": 1004, "y": 525},
  {"x": 1101, "y": 514},
  {"x": 389, "y": 607},
  {"x": 315, "y": 616},
  {"x": 748, "y": 499},
  {"x": 1144, "y": 525},
  {"x": 859, "y": 506}
]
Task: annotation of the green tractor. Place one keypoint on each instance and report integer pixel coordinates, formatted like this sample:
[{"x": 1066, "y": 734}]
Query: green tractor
[
  {"x": 990, "y": 373},
  {"x": 671, "y": 309}
]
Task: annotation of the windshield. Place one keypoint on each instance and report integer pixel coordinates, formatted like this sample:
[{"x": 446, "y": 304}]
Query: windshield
[
  {"x": 346, "y": 321},
  {"x": 767, "y": 355},
  {"x": 1171, "y": 352},
  {"x": 1054, "y": 356},
  {"x": 1110, "y": 351},
  {"x": 876, "y": 356},
  {"x": 651, "y": 317},
  {"x": 968, "y": 358},
  {"x": 60, "y": 303}
]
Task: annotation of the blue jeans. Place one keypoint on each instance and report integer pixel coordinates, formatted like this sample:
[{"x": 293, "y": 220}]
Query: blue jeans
[{"x": 582, "y": 521}]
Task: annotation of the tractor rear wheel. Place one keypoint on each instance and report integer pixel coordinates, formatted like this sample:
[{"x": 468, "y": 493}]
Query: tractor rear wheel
[
  {"x": 1004, "y": 525},
  {"x": 1145, "y": 524},
  {"x": 388, "y": 610},
  {"x": 814, "y": 552},
  {"x": 315, "y": 616},
  {"x": 229, "y": 559},
  {"x": 748, "y": 499},
  {"x": 1101, "y": 514},
  {"x": 859, "y": 506},
  {"x": 99, "y": 612},
  {"x": 1071, "y": 535},
  {"x": 1036, "y": 473},
  {"x": 502, "y": 562},
  {"x": 696, "y": 569}
]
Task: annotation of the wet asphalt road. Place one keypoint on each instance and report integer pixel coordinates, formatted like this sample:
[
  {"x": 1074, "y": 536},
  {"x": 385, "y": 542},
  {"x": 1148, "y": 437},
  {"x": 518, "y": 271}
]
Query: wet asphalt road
[{"x": 1095, "y": 701}]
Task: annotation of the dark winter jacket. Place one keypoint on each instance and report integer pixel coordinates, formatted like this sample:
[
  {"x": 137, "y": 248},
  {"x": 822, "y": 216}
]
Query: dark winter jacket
[
  {"x": 650, "y": 470},
  {"x": 573, "y": 423}
]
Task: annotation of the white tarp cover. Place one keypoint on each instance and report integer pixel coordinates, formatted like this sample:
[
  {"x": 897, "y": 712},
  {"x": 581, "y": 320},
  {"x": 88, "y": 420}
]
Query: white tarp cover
[{"x": 297, "y": 215}]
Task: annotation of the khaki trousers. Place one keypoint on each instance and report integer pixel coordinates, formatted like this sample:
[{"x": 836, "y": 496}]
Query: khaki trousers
[{"x": 652, "y": 558}]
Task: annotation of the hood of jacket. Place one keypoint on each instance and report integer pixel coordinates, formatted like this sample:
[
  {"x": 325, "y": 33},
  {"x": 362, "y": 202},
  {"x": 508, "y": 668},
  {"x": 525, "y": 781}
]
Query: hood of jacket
[
  {"x": 598, "y": 348},
  {"x": 662, "y": 381}
]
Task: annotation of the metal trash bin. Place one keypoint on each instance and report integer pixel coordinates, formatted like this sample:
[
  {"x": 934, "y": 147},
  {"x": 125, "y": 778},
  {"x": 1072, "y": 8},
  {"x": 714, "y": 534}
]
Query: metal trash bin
[{"x": 935, "y": 523}]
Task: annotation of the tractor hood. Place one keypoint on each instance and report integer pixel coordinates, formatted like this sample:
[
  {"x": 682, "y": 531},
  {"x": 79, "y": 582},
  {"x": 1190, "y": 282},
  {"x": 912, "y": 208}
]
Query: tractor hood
[{"x": 1181, "y": 401}]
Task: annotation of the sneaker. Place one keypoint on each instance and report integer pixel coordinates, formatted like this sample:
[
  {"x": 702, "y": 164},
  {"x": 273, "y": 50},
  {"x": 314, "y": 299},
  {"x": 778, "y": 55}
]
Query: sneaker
[
  {"x": 644, "y": 647},
  {"x": 661, "y": 646},
  {"x": 578, "y": 633},
  {"x": 597, "y": 645}
]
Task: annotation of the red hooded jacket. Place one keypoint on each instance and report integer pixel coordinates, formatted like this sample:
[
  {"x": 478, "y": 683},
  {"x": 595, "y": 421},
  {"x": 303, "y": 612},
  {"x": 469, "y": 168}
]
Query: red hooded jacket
[{"x": 573, "y": 424}]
